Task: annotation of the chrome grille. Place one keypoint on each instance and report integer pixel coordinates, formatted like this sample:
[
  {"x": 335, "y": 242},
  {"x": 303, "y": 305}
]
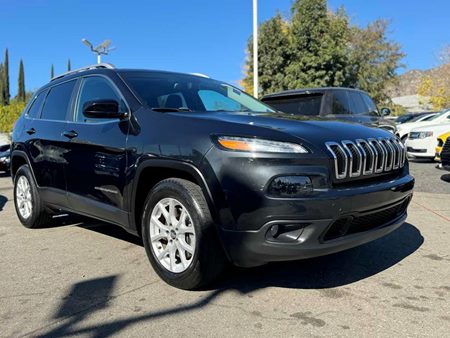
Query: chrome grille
[{"x": 366, "y": 157}]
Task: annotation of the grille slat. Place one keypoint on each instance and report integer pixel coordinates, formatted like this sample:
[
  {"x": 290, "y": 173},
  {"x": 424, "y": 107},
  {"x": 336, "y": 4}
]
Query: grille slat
[{"x": 366, "y": 157}]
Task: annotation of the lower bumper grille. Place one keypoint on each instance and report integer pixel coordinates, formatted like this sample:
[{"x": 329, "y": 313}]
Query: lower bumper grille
[{"x": 356, "y": 224}]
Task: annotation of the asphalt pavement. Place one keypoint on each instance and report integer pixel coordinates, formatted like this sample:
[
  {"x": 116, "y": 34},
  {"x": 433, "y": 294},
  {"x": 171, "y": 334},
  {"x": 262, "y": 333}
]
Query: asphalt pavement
[{"x": 91, "y": 279}]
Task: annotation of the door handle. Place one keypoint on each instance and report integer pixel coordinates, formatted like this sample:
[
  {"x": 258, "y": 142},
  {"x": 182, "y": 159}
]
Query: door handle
[
  {"x": 70, "y": 134},
  {"x": 31, "y": 131}
]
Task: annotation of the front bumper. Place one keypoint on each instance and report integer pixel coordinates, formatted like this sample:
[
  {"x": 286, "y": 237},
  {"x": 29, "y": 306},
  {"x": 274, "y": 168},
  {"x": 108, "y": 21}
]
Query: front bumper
[
  {"x": 359, "y": 217},
  {"x": 421, "y": 147}
]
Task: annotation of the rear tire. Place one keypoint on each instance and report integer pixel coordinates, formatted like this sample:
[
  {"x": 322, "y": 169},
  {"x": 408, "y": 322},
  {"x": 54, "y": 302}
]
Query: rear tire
[
  {"x": 29, "y": 207},
  {"x": 179, "y": 235}
]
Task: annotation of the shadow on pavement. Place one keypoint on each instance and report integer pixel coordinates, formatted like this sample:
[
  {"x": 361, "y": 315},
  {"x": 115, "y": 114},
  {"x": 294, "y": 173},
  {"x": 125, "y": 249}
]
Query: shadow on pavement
[
  {"x": 88, "y": 297},
  {"x": 446, "y": 178},
  {"x": 3, "y": 200}
]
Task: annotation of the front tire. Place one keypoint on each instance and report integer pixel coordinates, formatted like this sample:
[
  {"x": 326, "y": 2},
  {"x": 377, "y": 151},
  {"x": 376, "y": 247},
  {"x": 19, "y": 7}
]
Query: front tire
[
  {"x": 179, "y": 235},
  {"x": 29, "y": 206}
]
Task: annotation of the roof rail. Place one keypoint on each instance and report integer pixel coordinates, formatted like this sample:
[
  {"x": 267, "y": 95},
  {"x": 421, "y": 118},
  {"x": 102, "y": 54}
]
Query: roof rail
[
  {"x": 201, "y": 75},
  {"x": 83, "y": 69}
]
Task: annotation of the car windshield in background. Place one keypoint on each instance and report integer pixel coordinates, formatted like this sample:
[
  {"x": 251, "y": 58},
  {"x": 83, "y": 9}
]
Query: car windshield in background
[
  {"x": 308, "y": 105},
  {"x": 182, "y": 92},
  {"x": 435, "y": 117}
]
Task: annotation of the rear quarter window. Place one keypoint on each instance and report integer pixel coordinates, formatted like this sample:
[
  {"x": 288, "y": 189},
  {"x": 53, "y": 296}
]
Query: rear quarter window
[{"x": 36, "y": 106}]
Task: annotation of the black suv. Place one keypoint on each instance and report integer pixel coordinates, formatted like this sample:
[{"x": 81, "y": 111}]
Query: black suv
[
  {"x": 202, "y": 171},
  {"x": 338, "y": 104}
]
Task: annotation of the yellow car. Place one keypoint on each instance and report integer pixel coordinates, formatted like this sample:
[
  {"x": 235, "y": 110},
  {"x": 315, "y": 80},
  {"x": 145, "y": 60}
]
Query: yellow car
[{"x": 441, "y": 141}]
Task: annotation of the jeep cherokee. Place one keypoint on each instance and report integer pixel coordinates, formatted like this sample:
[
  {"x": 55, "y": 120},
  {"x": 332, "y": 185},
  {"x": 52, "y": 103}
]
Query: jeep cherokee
[{"x": 203, "y": 172}]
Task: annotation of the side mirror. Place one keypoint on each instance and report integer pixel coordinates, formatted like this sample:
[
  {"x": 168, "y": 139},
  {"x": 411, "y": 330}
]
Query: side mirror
[
  {"x": 105, "y": 109},
  {"x": 385, "y": 111}
]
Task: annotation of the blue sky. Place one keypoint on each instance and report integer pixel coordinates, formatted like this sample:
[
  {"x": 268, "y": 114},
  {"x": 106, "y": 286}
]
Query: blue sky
[{"x": 206, "y": 36}]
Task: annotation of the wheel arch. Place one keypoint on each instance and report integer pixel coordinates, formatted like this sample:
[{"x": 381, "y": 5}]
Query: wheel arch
[
  {"x": 19, "y": 158},
  {"x": 152, "y": 171}
]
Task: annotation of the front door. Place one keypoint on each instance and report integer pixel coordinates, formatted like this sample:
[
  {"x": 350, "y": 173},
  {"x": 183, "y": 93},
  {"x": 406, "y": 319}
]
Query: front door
[{"x": 97, "y": 158}]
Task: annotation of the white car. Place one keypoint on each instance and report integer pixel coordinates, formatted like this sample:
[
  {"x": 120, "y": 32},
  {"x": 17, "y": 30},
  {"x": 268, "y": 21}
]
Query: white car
[
  {"x": 422, "y": 142},
  {"x": 404, "y": 128}
]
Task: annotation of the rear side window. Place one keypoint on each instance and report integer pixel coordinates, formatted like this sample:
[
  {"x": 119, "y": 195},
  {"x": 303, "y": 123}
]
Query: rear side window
[
  {"x": 36, "y": 106},
  {"x": 57, "y": 102},
  {"x": 341, "y": 103},
  {"x": 300, "y": 105},
  {"x": 358, "y": 104}
]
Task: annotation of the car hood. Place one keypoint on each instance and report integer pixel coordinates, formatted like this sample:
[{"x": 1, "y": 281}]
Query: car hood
[
  {"x": 437, "y": 128},
  {"x": 305, "y": 128}
]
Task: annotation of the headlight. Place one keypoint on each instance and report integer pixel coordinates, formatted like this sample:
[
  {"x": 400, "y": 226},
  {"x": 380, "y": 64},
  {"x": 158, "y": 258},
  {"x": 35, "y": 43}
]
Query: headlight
[
  {"x": 259, "y": 145},
  {"x": 420, "y": 134},
  {"x": 425, "y": 134}
]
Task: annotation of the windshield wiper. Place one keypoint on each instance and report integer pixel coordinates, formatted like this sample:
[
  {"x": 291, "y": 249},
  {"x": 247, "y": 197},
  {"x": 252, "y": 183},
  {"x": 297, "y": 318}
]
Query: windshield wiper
[{"x": 168, "y": 110}]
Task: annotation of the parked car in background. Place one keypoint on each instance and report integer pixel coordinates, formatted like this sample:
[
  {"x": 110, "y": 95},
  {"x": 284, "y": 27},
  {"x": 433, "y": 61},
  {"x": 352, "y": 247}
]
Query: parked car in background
[
  {"x": 203, "y": 172},
  {"x": 445, "y": 155},
  {"x": 411, "y": 117},
  {"x": 338, "y": 104},
  {"x": 5, "y": 158},
  {"x": 441, "y": 141},
  {"x": 422, "y": 142},
  {"x": 404, "y": 128}
]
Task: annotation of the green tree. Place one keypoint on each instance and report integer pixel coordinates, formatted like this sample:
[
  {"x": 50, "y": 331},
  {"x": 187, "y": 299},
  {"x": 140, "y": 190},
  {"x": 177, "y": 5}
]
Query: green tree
[
  {"x": 6, "y": 90},
  {"x": 52, "y": 72},
  {"x": 319, "y": 48},
  {"x": 374, "y": 59},
  {"x": 21, "y": 95},
  {"x": 2, "y": 86},
  {"x": 274, "y": 55},
  {"x": 69, "y": 66},
  {"x": 319, "y": 40}
]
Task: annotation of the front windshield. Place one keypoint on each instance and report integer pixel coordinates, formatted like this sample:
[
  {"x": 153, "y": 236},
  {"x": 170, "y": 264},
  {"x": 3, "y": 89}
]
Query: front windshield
[
  {"x": 438, "y": 115},
  {"x": 190, "y": 93}
]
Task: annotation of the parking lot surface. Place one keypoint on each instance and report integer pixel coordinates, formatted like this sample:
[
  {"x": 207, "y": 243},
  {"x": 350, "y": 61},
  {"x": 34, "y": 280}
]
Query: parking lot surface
[{"x": 91, "y": 279}]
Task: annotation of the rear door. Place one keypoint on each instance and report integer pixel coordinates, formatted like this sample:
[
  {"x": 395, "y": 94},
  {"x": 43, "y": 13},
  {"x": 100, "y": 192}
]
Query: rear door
[
  {"x": 96, "y": 164},
  {"x": 45, "y": 144}
]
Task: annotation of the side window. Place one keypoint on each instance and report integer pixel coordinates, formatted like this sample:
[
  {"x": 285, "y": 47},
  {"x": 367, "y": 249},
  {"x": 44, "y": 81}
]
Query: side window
[
  {"x": 57, "y": 102},
  {"x": 36, "y": 106},
  {"x": 92, "y": 89},
  {"x": 341, "y": 103},
  {"x": 359, "y": 106},
  {"x": 213, "y": 100}
]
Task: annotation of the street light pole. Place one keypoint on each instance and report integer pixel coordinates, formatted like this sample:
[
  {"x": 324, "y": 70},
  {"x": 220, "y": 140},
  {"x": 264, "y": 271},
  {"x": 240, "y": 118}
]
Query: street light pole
[{"x": 255, "y": 48}]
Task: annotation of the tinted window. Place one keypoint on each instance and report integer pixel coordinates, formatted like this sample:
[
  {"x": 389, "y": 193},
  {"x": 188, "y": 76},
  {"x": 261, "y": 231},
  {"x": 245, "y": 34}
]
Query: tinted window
[
  {"x": 369, "y": 103},
  {"x": 93, "y": 89},
  {"x": 300, "y": 105},
  {"x": 341, "y": 103},
  {"x": 358, "y": 104},
  {"x": 57, "y": 102},
  {"x": 35, "y": 108}
]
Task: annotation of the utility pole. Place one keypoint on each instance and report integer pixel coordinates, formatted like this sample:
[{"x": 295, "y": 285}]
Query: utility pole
[{"x": 255, "y": 48}]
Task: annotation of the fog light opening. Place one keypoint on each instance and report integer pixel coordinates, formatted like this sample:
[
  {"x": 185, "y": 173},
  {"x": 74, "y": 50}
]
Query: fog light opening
[
  {"x": 290, "y": 186},
  {"x": 274, "y": 229}
]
